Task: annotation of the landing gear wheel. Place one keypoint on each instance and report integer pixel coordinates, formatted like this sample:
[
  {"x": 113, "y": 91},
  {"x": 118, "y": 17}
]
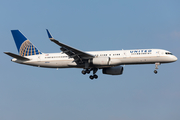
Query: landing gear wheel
[
  {"x": 95, "y": 76},
  {"x": 88, "y": 71},
  {"x": 83, "y": 72},
  {"x": 91, "y": 77},
  {"x": 155, "y": 71},
  {"x": 156, "y": 67}
]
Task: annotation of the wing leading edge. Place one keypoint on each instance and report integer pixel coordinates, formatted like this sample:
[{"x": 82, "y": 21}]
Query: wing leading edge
[{"x": 78, "y": 55}]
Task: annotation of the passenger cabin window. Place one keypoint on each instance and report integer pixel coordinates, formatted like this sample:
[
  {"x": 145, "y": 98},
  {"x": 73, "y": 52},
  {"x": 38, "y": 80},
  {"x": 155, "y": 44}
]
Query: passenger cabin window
[
  {"x": 116, "y": 54},
  {"x": 168, "y": 53}
]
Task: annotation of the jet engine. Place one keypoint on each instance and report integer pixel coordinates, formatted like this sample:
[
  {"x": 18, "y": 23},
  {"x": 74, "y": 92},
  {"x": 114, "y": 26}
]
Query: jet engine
[
  {"x": 117, "y": 70},
  {"x": 100, "y": 61}
]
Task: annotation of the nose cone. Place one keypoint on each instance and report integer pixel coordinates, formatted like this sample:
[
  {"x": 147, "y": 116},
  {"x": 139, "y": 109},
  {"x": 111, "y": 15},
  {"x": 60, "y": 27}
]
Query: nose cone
[{"x": 175, "y": 58}]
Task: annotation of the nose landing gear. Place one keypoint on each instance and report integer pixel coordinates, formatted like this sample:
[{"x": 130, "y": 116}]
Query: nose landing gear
[{"x": 156, "y": 67}]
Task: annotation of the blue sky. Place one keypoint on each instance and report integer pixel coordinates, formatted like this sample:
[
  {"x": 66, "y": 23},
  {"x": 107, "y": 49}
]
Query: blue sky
[{"x": 30, "y": 93}]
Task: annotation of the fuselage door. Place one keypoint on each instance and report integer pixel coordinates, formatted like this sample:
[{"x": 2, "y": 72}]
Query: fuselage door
[
  {"x": 158, "y": 53},
  {"x": 39, "y": 58},
  {"x": 124, "y": 54}
]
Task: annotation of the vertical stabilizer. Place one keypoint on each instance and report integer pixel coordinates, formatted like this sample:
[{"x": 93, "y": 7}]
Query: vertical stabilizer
[{"x": 24, "y": 46}]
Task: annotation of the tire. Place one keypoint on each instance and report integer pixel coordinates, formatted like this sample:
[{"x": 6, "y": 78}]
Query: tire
[
  {"x": 155, "y": 71},
  {"x": 95, "y": 76},
  {"x": 87, "y": 71},
  {"x": 83, "y": 72},
  {"x": 91, "y": 77}
]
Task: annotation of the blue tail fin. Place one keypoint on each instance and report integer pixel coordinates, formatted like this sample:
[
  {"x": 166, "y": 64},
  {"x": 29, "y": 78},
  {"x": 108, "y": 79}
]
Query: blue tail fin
[{"x": 24, "y": 46}]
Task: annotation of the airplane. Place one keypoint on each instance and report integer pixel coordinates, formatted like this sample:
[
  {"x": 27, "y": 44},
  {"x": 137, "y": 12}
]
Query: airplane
[{"x": 111, "y": 62}]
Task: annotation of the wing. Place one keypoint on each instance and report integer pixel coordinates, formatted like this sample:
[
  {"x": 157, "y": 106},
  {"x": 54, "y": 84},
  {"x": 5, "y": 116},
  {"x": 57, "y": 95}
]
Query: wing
[
  {"x": 78, "y": 55},
  {"x": 16, "y": 56}
]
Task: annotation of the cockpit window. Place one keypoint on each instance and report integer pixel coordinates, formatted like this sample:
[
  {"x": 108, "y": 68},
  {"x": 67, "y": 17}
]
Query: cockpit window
[{"x": 168, "y": 53}]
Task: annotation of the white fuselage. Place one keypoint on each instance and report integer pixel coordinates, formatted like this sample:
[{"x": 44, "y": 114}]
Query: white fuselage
[{"x": 115, "y": 58}]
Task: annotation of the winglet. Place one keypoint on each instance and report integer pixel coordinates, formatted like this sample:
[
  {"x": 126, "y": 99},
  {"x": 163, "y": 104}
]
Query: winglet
[{"x": 49, "y": 35}]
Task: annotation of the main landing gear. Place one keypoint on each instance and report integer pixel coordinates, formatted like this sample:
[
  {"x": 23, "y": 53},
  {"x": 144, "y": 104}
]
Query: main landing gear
[
  {"x": 156, "y": 67},
  {"x": 87, "y": 71}
]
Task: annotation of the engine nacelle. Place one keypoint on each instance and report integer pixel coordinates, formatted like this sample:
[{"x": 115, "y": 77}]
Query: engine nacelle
[
  {"x": 118, "y": 70},
  {"x": 100, "y": 61}
]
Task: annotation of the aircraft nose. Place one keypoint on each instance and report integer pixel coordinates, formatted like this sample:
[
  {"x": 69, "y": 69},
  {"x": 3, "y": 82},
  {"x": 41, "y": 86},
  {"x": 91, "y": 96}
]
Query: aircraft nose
[{"x": 175, "y": 58}]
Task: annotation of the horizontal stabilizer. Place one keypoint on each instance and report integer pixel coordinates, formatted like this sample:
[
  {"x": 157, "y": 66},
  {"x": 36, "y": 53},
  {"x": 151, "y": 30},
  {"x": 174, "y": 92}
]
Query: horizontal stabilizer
[{"x": 16, "y": 56}]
